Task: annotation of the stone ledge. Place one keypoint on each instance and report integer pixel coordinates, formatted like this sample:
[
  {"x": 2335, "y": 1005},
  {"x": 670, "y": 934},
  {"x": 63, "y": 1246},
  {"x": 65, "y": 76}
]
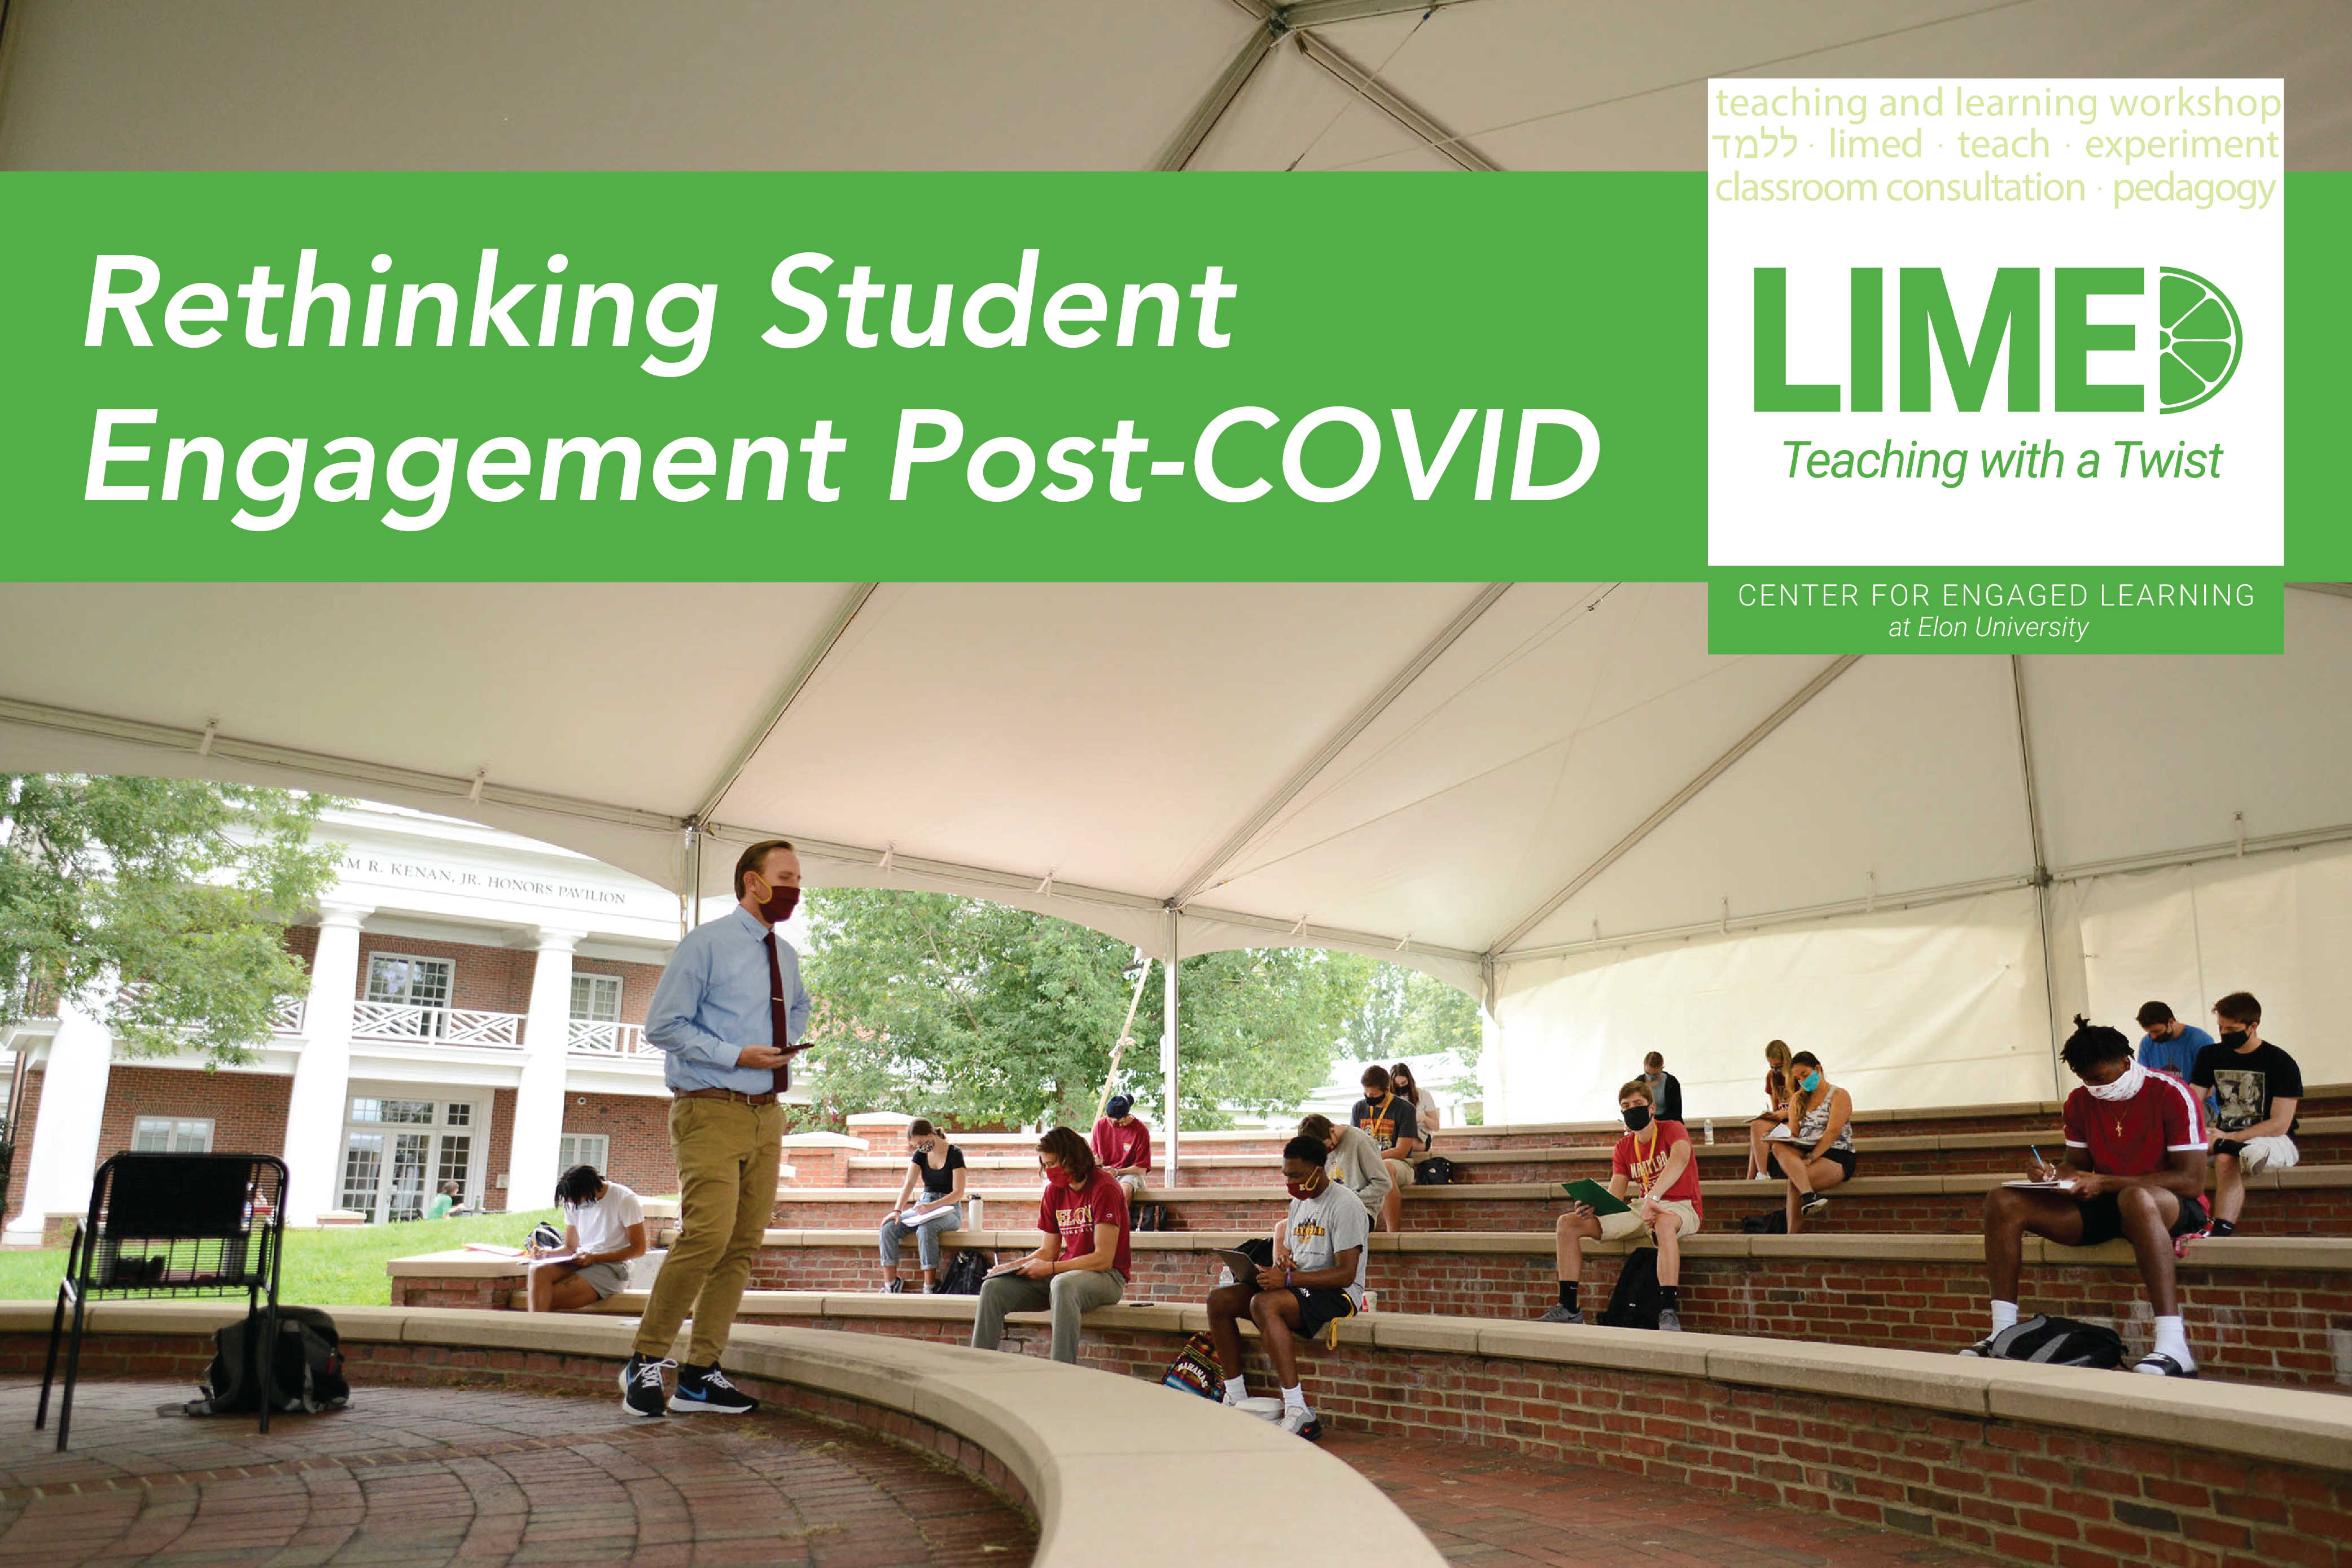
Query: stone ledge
[{"x": 1074, "y": 1439}]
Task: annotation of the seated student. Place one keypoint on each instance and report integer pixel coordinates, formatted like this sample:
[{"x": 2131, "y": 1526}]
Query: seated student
[
  {"x": 938, "y": 1165},
  {"x": 1655, "y": 1156},
  {"x": 2168, "y": 1044},
  {"x": 1819, "y": 1152},
  {"x": 2136, "y": 1155},
  {"x": 1389, "y": 1122},
  {"x": 1665, "y": 1090},
  {"x": 2254, "y": 1088},
  {"x": 1084, "y": 1260},
  {"x": 1355, "y": 1161},
  {"x": 1774, "y": 1120},
  {"x": 1427, "y": 1114},
  {"x": 449, "y": 1200},
  {"x": 603, "y": 1227},
  {"x": 1122, "y": 1146},
  {"x": 1316, "y": 1278}
]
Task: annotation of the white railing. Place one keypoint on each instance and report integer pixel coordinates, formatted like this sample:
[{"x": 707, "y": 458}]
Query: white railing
[
  {"x": 444, "y": 1025},
  {"x": 286, "y": 1018},
  {"x": 608, "y": 1039}
]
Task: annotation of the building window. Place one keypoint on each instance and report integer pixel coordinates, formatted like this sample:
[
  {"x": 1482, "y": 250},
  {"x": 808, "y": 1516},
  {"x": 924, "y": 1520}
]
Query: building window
[
  {"x": 172, "y": 1135},
  {"x": 597, "y": 998},
  {"x": 582, "y": 1148},
  {"x": 413, "y": 993},
  {"x": 397, "y": 1153}
]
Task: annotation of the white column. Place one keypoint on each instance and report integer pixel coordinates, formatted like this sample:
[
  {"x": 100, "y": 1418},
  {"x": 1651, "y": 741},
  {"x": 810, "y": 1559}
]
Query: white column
[
  {"x": 1168, "y": 1064},
  {"x": 539, "y": 1098},
  {"x": 65, "y": 1130},
  {"x": 322, "y": 1073}
]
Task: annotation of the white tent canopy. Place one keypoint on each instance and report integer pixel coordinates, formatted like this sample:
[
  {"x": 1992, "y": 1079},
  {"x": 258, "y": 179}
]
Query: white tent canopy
[{"x": 1550, "y": 794}]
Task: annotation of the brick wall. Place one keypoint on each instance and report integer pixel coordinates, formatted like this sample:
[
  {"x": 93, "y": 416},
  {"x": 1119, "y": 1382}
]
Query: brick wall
[
  {"x": 638, "y": 1126},
  {"x": 491, "y": 979},
  {"x": 501, "y": 1148},
  {"x": 28, "y": 1116},
  {"x": 248, "y": 1110}
]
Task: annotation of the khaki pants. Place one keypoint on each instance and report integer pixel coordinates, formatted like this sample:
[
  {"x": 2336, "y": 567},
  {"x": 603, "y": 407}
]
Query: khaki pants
[{"x": 727, "y": 1154}]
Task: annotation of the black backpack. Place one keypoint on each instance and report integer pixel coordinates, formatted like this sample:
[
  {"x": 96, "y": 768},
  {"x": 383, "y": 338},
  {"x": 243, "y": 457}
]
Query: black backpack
[
  {"x": 1773, "y": 1224},
  {"x": 2059, "y": 1342},
  {"x": 965, "y": 1271},
  {"x": 1437, "y": 1170},
  {"x": 1633, "y": 1304},
  {"x": 306, "y": 1374}
]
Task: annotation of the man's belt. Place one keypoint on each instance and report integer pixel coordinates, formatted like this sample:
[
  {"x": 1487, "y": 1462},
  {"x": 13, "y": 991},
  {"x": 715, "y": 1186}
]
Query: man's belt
[{"x": 738, "y": 1095}]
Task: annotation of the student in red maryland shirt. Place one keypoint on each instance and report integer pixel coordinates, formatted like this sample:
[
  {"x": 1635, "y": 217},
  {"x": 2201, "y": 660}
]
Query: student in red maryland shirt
[
  {"x": 1652, "y": 1170},
  {"x": 2134, "y": 1167},
  {"x": 1084, "y": 1260}
]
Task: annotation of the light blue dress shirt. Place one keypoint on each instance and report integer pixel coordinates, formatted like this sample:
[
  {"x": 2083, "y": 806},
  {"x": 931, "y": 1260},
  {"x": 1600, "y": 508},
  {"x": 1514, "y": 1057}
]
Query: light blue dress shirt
[{"x": 713, "y": 1000}]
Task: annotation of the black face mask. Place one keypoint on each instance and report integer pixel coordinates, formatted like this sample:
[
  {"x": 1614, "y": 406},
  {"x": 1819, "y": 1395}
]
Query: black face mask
[
  {"x": 2235, "y": 1039},
  {"x": 1636, "y": 1118}
]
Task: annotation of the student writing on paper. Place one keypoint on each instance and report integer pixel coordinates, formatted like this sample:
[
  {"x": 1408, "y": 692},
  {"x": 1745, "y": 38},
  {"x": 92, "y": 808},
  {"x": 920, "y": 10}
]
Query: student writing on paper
[
  {"x": 1653, "y": 1159},
  {"x": 2136, "y": 1152},
  {"x": 603, "y": 1227},
  {"x": 938, "y": 1165},
  {"x": 1084, "y": 1262}
]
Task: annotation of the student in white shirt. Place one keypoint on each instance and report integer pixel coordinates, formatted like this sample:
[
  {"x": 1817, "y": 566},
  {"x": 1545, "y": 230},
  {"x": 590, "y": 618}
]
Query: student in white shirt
[{"x": 603, "y": 1227}]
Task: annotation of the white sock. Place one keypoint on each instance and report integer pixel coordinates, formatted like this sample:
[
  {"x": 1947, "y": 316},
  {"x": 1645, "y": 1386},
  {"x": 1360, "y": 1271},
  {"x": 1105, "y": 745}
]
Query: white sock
[
  {"x": 1235, "y": 1391},
  {"x": 1293, "y": 1398},
  {"x": 2172, "y": 1340},
  {"x": 2004, "y": 1315}
]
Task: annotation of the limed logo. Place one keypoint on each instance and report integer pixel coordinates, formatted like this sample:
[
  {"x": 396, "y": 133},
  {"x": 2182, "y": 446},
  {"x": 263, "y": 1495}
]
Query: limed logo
[{"x": 2199, "y": 339}]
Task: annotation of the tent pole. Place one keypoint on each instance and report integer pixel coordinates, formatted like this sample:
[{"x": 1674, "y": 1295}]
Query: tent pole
[
  {"x": 1168, "y": 1038},
  {"x": 2042, "y": 878},
  {"x": 695, "y": 870}
]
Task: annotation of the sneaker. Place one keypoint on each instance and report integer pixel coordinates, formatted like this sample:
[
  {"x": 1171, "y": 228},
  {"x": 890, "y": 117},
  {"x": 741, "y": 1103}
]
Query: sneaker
[
  {"x": 705, "y": 1391},
  {"x": 1983, "y": 1347},
  {"x": 1234, "y": 1401},
  {"x": 641, "y": 1386},
  {"x": 1301, "y": 1422},
  {"x": 1670, "y": 1320},
  {"x": 1563, "y": 1315},
  {"x": 1764, "y": 1176},
  {"x": 2156, "y": 1363},
  {"x": 896, "y": 1287},
  {"x": 1814, "y": 1204},
  {"x": 2180, "y": 1243}
]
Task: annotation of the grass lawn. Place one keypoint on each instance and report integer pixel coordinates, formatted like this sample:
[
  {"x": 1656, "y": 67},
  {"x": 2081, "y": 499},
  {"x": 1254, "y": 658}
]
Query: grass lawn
[{"x": 337, "y": 1268}]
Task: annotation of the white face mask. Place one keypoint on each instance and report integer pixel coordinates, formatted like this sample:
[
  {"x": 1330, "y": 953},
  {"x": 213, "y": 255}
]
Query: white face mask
[{"x": 2122, "y": 1088}]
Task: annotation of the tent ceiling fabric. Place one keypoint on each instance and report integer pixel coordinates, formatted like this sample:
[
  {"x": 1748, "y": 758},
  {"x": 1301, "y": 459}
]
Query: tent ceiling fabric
[
  {"x": 988, "y": 737},
  {"x": 1042, "y": 84}
]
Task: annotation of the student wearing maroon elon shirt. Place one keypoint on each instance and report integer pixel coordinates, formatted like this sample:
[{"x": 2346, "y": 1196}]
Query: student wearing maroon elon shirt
[
  {"x": 2134, "y": 1167},
  {"x": 1084, "y": 1260}
]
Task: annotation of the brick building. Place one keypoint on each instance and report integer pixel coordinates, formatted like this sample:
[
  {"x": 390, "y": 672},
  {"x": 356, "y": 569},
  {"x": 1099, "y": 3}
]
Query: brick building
[{"x": 475, "y": 1014}]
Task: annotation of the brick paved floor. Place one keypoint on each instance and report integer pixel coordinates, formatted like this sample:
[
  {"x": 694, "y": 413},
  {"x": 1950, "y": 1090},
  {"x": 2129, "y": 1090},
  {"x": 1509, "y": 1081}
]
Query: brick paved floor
[
  {"x": 411, "y": 1476},
  {"x": 1489, "y": 1509}
]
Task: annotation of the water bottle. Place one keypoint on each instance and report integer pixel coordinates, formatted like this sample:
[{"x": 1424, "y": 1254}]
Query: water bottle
[{"x": 1710, "y": 1130}]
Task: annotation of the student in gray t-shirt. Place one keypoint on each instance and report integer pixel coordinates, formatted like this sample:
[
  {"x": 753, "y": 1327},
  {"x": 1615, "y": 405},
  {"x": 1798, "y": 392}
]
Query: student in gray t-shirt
[
  {"x": 1316, "y": 1278},
  {"x": 1354, "y": 1160}
]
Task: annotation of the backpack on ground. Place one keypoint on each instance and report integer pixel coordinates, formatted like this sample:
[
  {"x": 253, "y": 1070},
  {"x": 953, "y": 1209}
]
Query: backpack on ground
[
  {"x": 1195, "y": 1369},
  {"x": 2059, "y": 1342},
  {"x": 1437, "y": 1170},
  {"x": 964, "y": 1273},
  {"x": 1633, "y": 1302},
  {"x": 306, "y": 1369},
  {"x": 1773, "y": 1224}
]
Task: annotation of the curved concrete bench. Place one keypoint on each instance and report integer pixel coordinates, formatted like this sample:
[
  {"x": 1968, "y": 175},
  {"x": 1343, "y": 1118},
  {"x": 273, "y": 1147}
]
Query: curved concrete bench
[
  {"x": 1073, "y": 1440},
  {"x": 2032, "y": 1463}
]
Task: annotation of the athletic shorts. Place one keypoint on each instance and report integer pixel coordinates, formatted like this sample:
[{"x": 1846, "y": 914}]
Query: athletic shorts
[
  {"x": 1316, "y": 1307},
  {"x": 2103, "y": 1219},
  {"x": 2256, "y": 1155},
  {"x": 604, "y": 1278},
  {"x": 1619, "y": 1226}
]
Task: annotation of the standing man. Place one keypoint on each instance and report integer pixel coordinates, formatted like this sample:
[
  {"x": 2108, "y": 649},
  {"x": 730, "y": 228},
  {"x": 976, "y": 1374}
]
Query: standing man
[
  {"x": 2168, "y": 1044},
  {"x": 729, "y": 1006},
  {"x": 1666, "y": 1089},
  {"x": 1122, "y": 1146}
]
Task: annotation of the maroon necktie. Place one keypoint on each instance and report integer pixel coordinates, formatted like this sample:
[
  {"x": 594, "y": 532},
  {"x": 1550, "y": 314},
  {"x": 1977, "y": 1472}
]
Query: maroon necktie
[{"x": 778, "y": 1013}]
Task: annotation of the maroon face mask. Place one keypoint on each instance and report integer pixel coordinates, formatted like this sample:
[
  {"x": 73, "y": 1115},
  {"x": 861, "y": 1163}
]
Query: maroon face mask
[{"x": 780, "y": 904}]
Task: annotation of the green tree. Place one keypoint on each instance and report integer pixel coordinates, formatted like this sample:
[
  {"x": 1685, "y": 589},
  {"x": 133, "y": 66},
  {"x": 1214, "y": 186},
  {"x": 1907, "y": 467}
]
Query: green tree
[
  {"x": 159, "y": 903},
  {"x": 936, "y": 1004},
  {"x": 1403, "y": 1012}
]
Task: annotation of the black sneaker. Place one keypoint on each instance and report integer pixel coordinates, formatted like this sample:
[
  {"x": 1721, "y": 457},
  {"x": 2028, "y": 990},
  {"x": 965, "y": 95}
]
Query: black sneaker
[
  {"x": 1983, "y": 1347},
  {"x": 705, "y": 1391},
  {"x": 1813, "y": 1204},
  {"x": 896, "y": 1286},
  {"x": 1670, "y": 1320},
  {"x": 641, "y": 1386}
]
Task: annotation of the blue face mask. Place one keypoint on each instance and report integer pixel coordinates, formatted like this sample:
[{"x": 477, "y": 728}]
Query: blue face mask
[{"x": 1810, "y": 1081}]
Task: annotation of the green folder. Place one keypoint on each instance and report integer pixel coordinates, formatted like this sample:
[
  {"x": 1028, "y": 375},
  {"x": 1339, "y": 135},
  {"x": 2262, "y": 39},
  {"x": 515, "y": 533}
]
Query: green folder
[{"x": 1585, "y": 1190}]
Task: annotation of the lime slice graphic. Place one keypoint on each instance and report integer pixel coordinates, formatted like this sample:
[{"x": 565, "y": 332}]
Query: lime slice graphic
[{"x": 2199, "y": 344}]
